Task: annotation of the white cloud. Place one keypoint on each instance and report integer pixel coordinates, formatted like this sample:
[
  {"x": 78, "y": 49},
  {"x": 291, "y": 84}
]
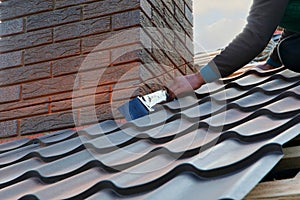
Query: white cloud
[
  {"x": 217, "y": 22},
  {"x": 218, "y": 34}
]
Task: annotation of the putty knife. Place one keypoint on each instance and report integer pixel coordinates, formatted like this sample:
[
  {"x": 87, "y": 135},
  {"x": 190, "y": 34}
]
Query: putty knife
[{"x": 142, "y": 105}]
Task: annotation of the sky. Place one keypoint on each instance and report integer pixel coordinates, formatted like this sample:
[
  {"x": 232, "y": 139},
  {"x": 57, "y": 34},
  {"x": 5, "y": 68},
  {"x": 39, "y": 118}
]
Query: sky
[{"x": 217, "y": 22}]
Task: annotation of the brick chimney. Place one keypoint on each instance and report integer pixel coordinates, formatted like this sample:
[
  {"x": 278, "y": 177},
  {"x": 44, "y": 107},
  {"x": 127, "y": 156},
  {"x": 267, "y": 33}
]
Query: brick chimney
[{"x": 64, "y": 62}]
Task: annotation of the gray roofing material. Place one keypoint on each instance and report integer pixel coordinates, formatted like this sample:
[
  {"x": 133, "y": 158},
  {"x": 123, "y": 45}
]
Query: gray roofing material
[{"x": 216, "y": 144}]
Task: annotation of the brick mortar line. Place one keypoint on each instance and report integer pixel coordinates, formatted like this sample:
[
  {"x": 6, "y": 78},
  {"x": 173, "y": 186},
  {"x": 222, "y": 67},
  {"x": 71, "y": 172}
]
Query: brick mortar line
[
  {"x": 56, "y": 25},
  {"x": 18, "y": 127},
  {"x": 13, "y": 101},
  {"x": 50, "y": 100},
  {"x": 55, "y": 101},
  {"x": 90, "y": 70},
  {"x": 114, "y": 13},
  {"x": 110, "y": 84},
  {"x": 111, "y": 55},
  {"x": 81, "y": 12},
  {"x": 47, "y": 95},
  {"x": 50, "y": 105},
  {"x": 111, "y": 23},
  {"x": 24, "y": 15},
  {"x": 126, "y": 27},
  {"x": 78, "y": 117},
  {"x": 83, "y": 71},
  {"x": 15, "y": 33},
  {"x": 53, "y": 26},
  {"x": 54, "y": 5},
  {"x": 23, "y": 58},
  {"x": 80, "y": 47},
  {"x": 53, "y": 59},
  {"x": 115, "y": 47},
  {"x": 183, "y": 13},
  {"x": 21, "y": 92},
  {"x": 54, "y": 8},
  {"x": 81, "y": 18},
  {"x": 24, "y": 24},
  {"x": 188, "y": 5},
  {"x": 29, "y": 47},
  {"x": 62, "y": 75},
  {"x": 30, "y": 81},
  {"x": 24, "y": 117},
  {"x": 51, "y": 71},
  {"x": 76, "y": 4},
  {"x": 63, "y": 92},
  {"x": 78, "y": 108},
  {"x": 110, "y": 93},
  {"x": 68, "y": 56},
  {"x": 52, "y": 35},
  {"x": 20, "y": 107}
]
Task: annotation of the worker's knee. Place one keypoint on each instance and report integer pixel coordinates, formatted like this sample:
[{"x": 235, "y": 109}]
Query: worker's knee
[{"x": 289, "y": 51}]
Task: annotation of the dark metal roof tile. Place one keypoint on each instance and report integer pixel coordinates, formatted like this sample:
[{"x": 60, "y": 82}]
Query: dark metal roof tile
[
  {"x": 13, "y": 144},
  {"x": 224, "y": 135}
]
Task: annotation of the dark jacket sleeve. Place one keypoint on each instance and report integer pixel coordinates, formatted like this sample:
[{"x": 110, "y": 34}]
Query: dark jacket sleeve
[{"x": 263, "y": 19}]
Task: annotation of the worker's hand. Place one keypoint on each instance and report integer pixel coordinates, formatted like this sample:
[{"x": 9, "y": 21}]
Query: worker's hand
[
  {"x": 265, "y": 66},
  {"x": 185, "y": 84}
]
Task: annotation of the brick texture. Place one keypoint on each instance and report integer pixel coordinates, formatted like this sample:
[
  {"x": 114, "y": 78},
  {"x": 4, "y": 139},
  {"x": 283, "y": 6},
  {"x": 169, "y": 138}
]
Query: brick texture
[
  {"x": 23, "y": 103},
  {"x": 102, "y": 112},
  {"x": 53, "y": 18},
  {"x": 45, "y": 123},
  {"x": 25, "y": 40},
  {"x": 15, "y": 8},
  {"x": 109, "y": 75},
  {"x": 62, "y": 60},
  {"x": 11, "y": 59},
  {"x": 82, "y": 28},
  {"x": 8, "y": 128},
  {"x": 52, "y": 51},
  {"x": 80, "y": 102},
  {"x": 11, "y": 27},
  {"x": 10, "y": 93},
  {"x": 49, "y": 86},
  {"x": 24, "y": 74},
  {"x": 86, "y": 62},
  {"x": 64, "y": 3},
  {"x": 112, "y": 39},
  {"x": 24, "y": 112},
  {"x": 106, "y": 7},
  {"x": 189, "y": 3},
  {"x": 126, "y": 19}
]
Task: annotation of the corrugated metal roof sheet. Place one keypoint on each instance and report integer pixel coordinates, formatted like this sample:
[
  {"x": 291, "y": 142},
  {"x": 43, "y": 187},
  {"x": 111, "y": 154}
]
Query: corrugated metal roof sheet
[{"x": 216, "y": 144}]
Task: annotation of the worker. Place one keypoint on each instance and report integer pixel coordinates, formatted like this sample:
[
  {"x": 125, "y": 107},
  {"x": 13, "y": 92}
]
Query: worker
[{"x": 264, "y": 18}]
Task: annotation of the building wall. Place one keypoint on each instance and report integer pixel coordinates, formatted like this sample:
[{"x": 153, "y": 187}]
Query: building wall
[{"x": 63, "y": 60}]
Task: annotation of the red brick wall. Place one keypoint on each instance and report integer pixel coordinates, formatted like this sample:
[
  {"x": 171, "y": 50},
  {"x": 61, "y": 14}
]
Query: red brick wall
[{"x": 49, "y": 69}]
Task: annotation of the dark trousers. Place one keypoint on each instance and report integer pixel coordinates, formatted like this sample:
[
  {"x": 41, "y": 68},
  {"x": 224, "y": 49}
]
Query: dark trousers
[{"x": 287, "y": 52}]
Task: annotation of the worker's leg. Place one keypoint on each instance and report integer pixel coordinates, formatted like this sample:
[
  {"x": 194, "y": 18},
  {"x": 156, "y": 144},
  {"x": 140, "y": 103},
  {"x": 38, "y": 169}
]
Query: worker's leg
[
  {"x": 274, "y": 59},
  {"x": 289, "y": 52}
]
